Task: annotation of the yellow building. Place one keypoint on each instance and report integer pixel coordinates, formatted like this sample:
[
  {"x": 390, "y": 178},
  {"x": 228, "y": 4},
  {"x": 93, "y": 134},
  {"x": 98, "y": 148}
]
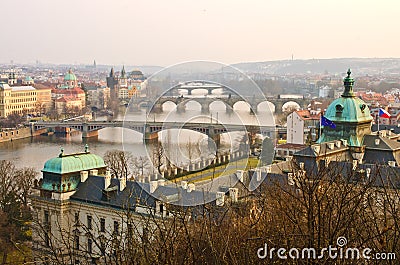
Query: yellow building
[{"x": 17, "y": 99}]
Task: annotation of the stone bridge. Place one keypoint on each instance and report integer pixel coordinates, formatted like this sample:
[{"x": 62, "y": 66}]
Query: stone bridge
[
  {"x": 150, "y": 129},
  {"x": 205, "y": 102}
]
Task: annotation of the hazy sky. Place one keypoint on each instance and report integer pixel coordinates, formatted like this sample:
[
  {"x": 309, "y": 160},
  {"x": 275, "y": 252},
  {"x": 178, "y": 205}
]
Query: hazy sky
[{"x": 149, "y": 32}]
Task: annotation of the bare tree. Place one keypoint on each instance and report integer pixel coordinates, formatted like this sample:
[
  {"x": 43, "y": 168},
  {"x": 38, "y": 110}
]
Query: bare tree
[{"x": 120, "y": 163}]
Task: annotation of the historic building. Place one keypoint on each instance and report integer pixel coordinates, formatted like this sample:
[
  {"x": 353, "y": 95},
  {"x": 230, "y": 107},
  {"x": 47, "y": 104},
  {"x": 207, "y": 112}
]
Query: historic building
[
  {"x": 69, "y": 96},
  {"x": 17, "y": 100},
  {"x": 126, "y": 86},
  {"x": 84, "y": 214},
  {"x": 351, "y": 140},
  {"x": 302, "y": 126}
]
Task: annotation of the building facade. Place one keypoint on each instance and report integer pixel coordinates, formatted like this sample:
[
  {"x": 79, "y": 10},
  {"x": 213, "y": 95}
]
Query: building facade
[
  {"x": 302, "y": 126},
  {"x": 84, "y": 215},
  {"x": 17, "y": 100}
]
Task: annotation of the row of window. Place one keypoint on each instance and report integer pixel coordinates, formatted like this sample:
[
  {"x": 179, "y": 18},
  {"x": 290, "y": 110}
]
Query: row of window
[
  {"x": 6, "y": 134},
  {"x": 19, "y": 100},
  {"x": 102, "y": 221},
  {"x": 32, "y": 105}
]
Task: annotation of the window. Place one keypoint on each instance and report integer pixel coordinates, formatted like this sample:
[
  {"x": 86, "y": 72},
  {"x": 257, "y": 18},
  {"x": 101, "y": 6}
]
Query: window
[
  {"x": 102, "y": 225},
  {"x": 130, "y": 229},
  {"x": 89, "y": 245},
  {"x": 116, "y": 227},
  {"x": 76, "y": 217},
  {"x": 46, "y": 217},
  {"x": 76, "y": 243},
  {"x": 89, "y": 222}
]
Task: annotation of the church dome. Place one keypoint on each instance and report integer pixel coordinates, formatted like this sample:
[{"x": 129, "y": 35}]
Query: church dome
[
  {"x": 70, "y": 76},
  {"x": 348, "y": 108},
  {"x": 350, "y": 116},
  {"x": 73, "y": 163}
]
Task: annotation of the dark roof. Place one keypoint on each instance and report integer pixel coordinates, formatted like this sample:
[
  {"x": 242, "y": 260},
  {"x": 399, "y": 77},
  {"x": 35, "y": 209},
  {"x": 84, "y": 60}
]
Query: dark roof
[
  {"x": 384, "y": 142},
  {"x": 380, "y": 175},
  {"x": 136, "y": 193},
  {"x": 91, "y": 191},
  {"x": 323, "y": 150}
]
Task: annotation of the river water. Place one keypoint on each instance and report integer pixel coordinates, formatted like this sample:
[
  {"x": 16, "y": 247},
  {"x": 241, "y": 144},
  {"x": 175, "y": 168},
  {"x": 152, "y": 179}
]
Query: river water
[{"x": 34, "y": 152}]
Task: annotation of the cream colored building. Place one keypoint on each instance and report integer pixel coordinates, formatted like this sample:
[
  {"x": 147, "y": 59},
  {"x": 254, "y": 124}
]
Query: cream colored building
[
  {"x": 84, "y": 215},
  {"x": 17, "y": 100}
]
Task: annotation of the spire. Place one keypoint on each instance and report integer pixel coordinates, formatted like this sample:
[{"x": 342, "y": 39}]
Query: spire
[
  {"x": 112, "y": 72},
  {"x": 123, "y": 72},
  {"x": 348, "y": 85},
  {"x": 70, "y": 71},
  {"x": 62, "y": 152}
]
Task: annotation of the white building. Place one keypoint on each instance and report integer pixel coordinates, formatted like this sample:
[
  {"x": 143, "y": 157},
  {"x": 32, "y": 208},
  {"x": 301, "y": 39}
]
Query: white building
[
  {"x": 302, "y": 126},
  {"x": 83, "y": 215}
]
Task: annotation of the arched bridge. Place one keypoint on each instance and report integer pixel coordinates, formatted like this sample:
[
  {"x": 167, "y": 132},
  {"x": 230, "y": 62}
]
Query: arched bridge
[
  {"x": 151, "y": 129},
  {"x": 205, "y": 102}
]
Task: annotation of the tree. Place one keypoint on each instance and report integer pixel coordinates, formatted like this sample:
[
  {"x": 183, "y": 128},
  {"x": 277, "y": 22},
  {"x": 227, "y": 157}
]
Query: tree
[
  {"x": 120, "y": 163},
  {"x": 15, "y": 186}
]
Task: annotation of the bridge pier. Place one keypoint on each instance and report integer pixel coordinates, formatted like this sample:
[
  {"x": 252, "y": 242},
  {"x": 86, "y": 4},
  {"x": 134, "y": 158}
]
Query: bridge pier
[
  {"x": 205, "y": 108},
  {"x": 86, "y": 133},
  {"x": 278, "y": 107},
  {"x": 150, "y": 137},
  {"x": 157, "y": 108}
]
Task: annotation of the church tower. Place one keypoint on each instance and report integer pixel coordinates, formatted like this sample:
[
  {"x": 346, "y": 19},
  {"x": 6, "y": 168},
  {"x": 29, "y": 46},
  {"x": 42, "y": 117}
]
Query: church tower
[{"x": 351, "y": 116}]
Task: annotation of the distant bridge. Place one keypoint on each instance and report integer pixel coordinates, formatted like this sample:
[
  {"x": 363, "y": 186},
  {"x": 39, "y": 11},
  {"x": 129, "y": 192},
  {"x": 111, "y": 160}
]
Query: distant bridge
[
  {"x": 150, "y": 129},
  {"x": 229, "y": 97}
]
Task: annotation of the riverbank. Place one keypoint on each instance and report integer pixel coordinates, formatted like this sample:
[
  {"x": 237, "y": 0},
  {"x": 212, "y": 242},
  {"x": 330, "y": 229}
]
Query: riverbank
[{"x": 18, "y": 133}]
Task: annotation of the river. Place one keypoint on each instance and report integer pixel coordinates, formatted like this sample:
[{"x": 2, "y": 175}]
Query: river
[{"x": 34, "y": 152}]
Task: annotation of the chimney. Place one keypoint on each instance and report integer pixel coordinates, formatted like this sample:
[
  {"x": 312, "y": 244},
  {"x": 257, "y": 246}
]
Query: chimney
[
  {"x": 392, "y": 163},
  {"x": 107, "y": 179},
  {"x": 84, "y": 175},
  {"x": 377, "y": 141},
  {"x": 331, "y": 146},
  {"x": 355, "y": 162},
  {"x": 316, "y": 148},
  {"x": 94, "y": 172},
  {"x": 301, "y": 165},
  {"x": 368, "y": 171},
  {"x": 290, "y": 179},
  {"x": 239, "y": 175},
  {"x": 153, "y": 186},
  {"x": 220, "y": 198},
  {"x": 268, "y": 168},
  {"x": 191, "y": 187},
  {"x": 122, "y": 184},
  {"x": 258, "y": 174},
  {"x": 184, "y": 184},
  {"x": 344, "y": 142},
  {"x": 338, "y": 144},
  {"x": 233, "y": 194}
]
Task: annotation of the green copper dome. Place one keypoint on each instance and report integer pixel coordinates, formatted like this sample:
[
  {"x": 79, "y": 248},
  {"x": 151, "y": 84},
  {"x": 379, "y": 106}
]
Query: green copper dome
[
  {"x": 73, "y": 163},
  {"x": 351, "y": 116},
  {"x": 348, "y": 108},
  {"x": 70, "y": 76},
  {"x": 351, "y": 109}
]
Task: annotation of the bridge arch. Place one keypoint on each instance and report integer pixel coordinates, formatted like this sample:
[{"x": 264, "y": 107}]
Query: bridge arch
[
  {"x": 266, "y": 106},
  {"x": 241, "y": 104},
  {"x": 290, "y": 104}
]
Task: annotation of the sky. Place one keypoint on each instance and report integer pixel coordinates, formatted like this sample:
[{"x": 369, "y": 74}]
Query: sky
[{"x": 150, "y": 32}]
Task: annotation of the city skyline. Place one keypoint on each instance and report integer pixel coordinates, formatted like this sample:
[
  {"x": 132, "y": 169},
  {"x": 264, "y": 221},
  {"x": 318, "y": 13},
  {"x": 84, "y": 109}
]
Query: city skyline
[{"x": 166, "y": 33}]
